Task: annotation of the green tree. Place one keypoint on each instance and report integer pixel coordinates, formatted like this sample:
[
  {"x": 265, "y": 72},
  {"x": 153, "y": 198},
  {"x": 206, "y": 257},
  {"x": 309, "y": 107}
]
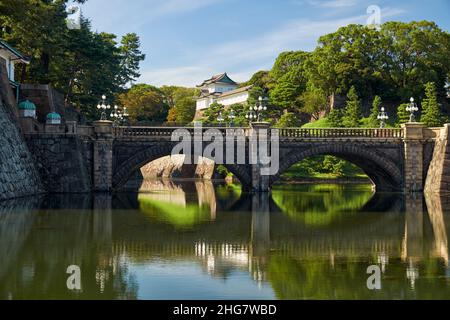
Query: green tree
[
  {"x": 431, "y": 112},
  {"x": 402, "y": 114},
  {"x": 373, "y": 117},
  {"x": 415, "y": 53},
  {"x": 182, "y": 103},
  {"x": 145, "y": 104},
  {"x": 288, "y": 120},
  {"x": 288, "y": 80},
  {"x": 334, "y": 118},
  {"x": 394, "y": 62},
  {"x": 345, "y": 58},
  {"x": 260, "y": 79},
  {"x": 185, "y": 109},
  {"x": 131, "y": 57},
  {"x": 314, "y": 102},
  {"x": 80, "y": 63},
  {"x": 240, "y": 111},
  {"x": 212, "y": 113},
  {"x": 352, "y": 111}
]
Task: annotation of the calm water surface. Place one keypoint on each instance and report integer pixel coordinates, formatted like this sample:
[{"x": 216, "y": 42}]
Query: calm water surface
[{"x": 195, "y": 240}]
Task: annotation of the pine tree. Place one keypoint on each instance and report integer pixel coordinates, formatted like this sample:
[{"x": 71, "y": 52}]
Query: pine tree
[
  {"x": 212, "y": 113},
  {"x": 402, "y": 114},
  {"x": 373, "y": 117},
  {"x": 131, "y": 57},
  {"x": 334, "y": 118},
  {"x": 431, "y": 113},
  {"x": 352, "y": 112}
]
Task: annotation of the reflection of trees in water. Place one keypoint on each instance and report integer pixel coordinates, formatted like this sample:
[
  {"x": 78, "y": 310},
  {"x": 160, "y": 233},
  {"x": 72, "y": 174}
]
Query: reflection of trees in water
[
  {"x": 407, "y": 272},
  {"x": 16, "y": 220},
  {"x": 346, "y": 279},
  {"x": 181, "y": 204},
  {"x": 322, "y": 204},
  {"x": 298, "y": 260},
  {"x": 55, "y": 240}
]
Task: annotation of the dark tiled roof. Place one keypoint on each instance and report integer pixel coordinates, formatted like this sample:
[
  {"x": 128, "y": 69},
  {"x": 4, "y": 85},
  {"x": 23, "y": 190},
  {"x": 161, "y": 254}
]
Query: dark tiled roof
[
  {"x": 222, "y": 78},
  {"x": 225, "y": 94}
]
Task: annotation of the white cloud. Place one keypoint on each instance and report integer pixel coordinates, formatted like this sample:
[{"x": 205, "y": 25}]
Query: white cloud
[{"x": 244, "y": 57}]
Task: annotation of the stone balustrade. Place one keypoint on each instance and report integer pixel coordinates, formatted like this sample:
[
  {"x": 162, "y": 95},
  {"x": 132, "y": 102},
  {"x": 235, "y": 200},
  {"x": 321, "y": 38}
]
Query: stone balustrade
[{"x": 393, "y": 133}]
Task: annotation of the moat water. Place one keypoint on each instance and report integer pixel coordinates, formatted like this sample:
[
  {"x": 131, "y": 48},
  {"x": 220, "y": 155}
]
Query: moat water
[{"x": 197, "y": 240}]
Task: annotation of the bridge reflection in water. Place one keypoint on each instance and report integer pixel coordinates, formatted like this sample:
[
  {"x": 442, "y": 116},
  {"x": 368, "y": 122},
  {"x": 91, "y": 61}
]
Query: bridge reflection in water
[{"x": 196, "y": 240}]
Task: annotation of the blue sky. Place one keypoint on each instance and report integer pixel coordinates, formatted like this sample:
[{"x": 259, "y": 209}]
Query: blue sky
[{"x": 187, "y": 41}]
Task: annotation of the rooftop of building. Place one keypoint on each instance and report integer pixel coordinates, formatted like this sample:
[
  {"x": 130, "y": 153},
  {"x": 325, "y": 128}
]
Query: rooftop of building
[
  {"x": 219, "y": 78},
  {"x": 19, "y": 56},
  {"x": 225, "y": 94}
]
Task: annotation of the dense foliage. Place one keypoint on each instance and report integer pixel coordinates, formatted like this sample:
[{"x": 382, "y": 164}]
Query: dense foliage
[
  {"x": 392, "y": 63},
  {"x": 78, "y": 62}
]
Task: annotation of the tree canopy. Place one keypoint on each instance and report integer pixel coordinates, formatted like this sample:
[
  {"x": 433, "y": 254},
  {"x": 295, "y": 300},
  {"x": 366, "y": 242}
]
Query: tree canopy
[
  {"x": 146, "y": 104},
  {"x": 79, "y": 62},
  {"x": 392, "y": 63}
]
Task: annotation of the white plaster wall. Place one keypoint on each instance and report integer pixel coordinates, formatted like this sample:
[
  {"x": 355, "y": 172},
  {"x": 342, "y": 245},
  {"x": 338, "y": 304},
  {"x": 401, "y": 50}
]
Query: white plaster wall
[
  {"x": 203, "y": 103},
  {"x": 9, "y": 64},
  {"x": 236, "y": 98}
]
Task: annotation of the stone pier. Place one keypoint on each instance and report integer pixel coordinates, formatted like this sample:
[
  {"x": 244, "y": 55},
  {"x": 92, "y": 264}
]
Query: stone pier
[
  {"x": 261, "y": 133},
  {"x": 103, "y": 156},
  {"x": 414, "y": 153},
  {"x": 438, "y": 177}
]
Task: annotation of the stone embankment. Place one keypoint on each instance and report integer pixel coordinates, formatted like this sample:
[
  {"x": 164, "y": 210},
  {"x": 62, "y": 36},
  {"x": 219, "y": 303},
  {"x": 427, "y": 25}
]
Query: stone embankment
[
  {"x": 18, "y": 175},
  {"x": 438, "y": 177}
]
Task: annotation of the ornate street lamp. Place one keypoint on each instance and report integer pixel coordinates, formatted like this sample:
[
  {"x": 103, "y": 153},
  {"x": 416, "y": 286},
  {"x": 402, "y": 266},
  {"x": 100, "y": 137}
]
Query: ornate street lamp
[
  {"x": 103, "y": 106},
  {"x": 116, "y": 115},
  {"x": 383, "y": 117},
  {"x": 412, "y": 107},
  {"x": 257, "y": 110},
  {"x": 125, "y": 115}
]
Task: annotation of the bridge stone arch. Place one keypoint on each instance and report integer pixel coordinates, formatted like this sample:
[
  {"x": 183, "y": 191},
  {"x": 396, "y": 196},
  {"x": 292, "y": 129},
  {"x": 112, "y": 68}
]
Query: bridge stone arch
[
  {"x": 385, "y": 173},
  {"x": 134, "y": 160}
]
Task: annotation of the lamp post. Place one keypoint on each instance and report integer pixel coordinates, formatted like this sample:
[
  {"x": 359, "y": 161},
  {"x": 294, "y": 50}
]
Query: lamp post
[
  {"x": 116, "y": 115},
  {"x": 232, "y": 116},
  {"x": 256, "y": 111},
  {"x": 383, "y": 117},
  {"x": 103, "y": 106},
  {"x": 125, "y": 115},
  {"x": 412, "y": 108},
  {"x": 220, "y": 118}
]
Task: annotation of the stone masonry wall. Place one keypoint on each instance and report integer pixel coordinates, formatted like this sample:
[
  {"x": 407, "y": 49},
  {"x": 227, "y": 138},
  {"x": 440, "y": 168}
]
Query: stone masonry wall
[
  {"x": 64, "y": 162},
  {"x": 438, "y": 177},
  {"x": 18, "y": 175}
]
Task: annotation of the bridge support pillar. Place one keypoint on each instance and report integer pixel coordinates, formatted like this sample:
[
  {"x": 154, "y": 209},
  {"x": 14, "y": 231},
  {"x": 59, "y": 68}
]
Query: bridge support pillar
[
  {"x": 103, "y": 156},
  {"x": 413, "y": 141},
  {"x": 259, "y": 137}
]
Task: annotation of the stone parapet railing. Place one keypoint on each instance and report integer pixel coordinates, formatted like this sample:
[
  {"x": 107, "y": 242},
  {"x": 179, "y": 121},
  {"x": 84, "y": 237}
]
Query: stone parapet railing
[
  {"x": 284, "y": 133},
  {"x": 168, "y": 131},
  {"x": 341, "y": 133}
]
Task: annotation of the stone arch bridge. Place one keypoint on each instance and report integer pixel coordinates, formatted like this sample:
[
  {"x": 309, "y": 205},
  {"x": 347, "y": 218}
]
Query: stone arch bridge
[{"x": 74, "y": 158}]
